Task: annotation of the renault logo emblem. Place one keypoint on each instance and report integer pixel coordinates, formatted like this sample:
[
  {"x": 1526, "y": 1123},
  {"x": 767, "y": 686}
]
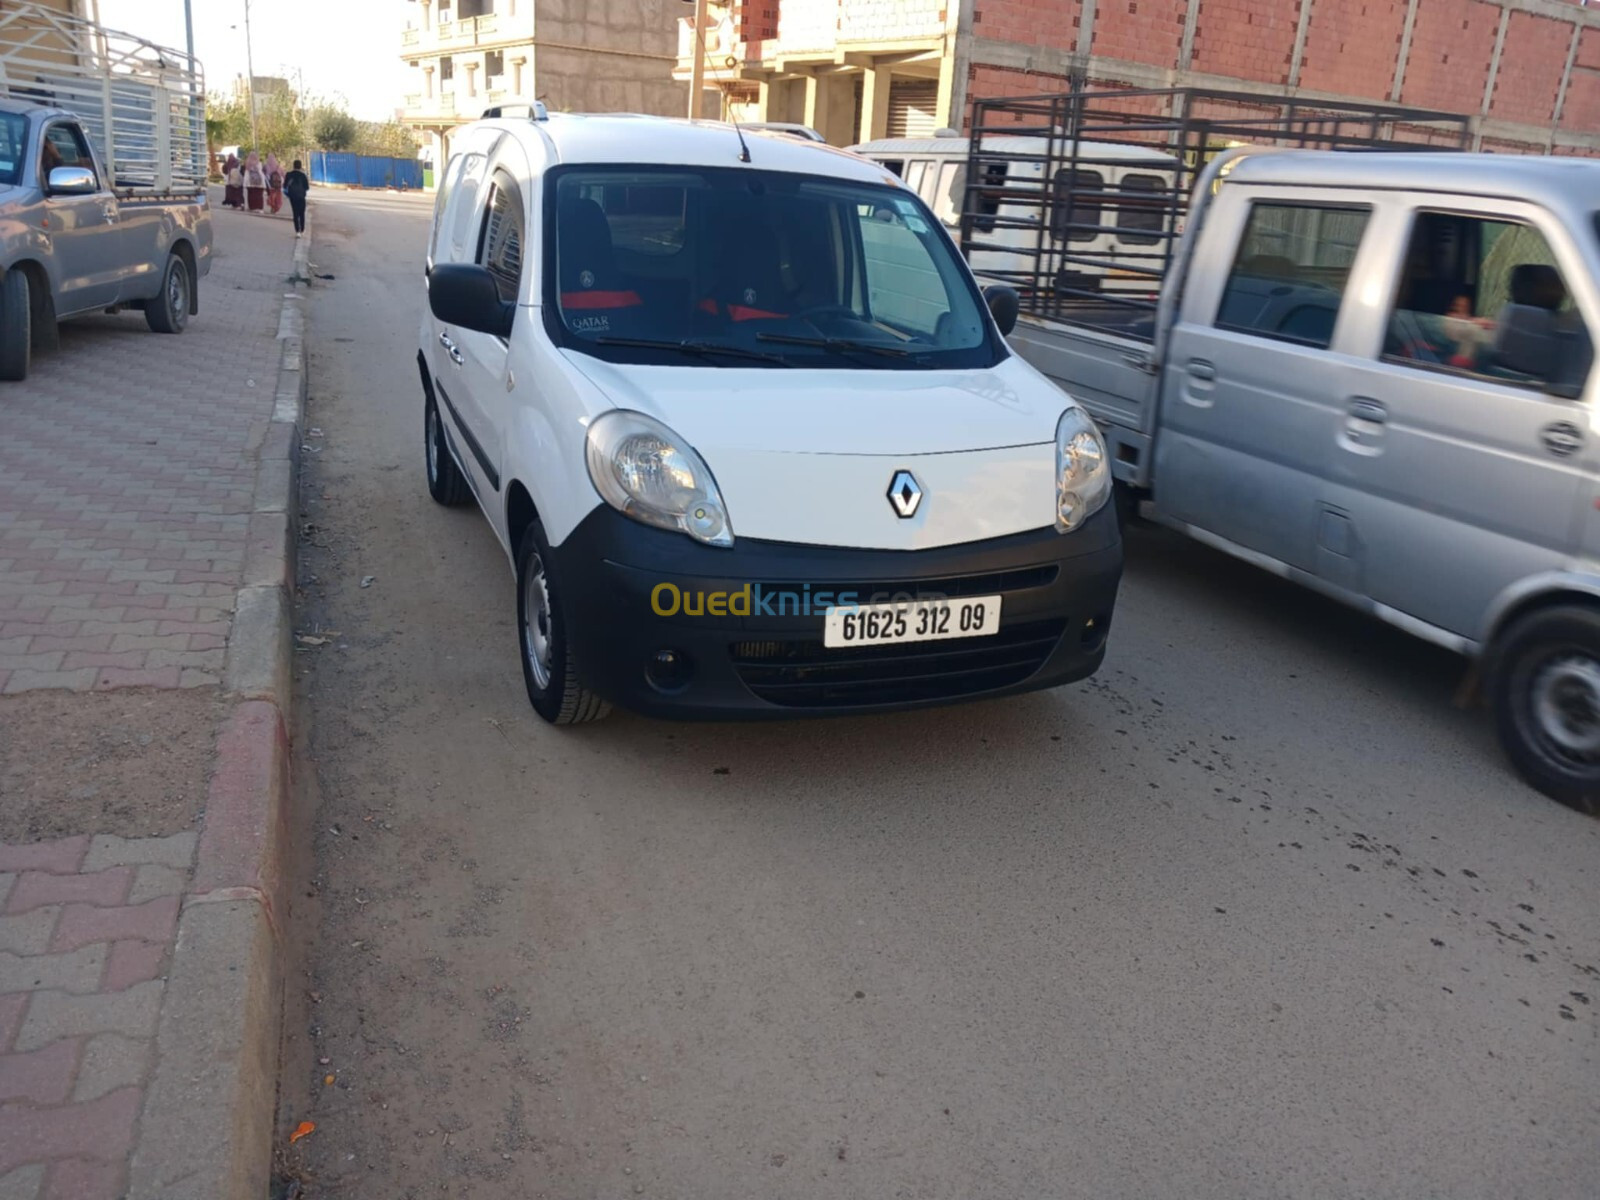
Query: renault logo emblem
[{"x": 905, "y": 494}]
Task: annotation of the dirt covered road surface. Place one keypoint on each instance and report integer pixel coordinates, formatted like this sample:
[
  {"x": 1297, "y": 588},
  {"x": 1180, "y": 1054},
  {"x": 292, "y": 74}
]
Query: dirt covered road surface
[{"x": 1254, "y": 913}]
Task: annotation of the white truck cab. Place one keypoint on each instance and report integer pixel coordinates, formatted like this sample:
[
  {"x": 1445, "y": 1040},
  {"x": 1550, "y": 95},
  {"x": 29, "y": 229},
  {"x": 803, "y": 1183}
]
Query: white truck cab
[{"x": 748, "y": 430}]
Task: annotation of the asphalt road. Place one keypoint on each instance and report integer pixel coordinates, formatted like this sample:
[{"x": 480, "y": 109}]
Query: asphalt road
[{"x": 1254, "y": 913}]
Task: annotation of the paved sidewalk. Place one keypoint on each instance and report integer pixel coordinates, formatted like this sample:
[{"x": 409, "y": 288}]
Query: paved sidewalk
[{"x": 145, "y": 556}]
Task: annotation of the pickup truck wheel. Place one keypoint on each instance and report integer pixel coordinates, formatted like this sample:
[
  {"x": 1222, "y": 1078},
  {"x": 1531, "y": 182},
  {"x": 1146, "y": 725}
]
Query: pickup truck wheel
[
  {"x": 16, "y": 326},
  {"x": 548, "y": 666},
  {"x": 445, "y": 481},
  {"x": 168, "y": 310},
  {"x": 1544, "y": 684}
]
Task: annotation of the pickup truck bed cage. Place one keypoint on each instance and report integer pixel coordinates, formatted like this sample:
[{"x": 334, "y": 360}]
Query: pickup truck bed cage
[
  {"x": 142, "y": 105},
  {"x": 1044, "y": 216}
]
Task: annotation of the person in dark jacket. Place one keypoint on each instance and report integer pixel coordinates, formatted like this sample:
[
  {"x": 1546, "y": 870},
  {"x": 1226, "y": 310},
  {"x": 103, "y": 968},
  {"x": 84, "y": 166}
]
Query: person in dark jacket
[{"x": 295, "y": 186}]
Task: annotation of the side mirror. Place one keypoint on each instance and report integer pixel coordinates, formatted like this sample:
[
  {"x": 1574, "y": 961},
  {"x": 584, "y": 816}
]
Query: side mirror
[
  {"x": 465, "y": 294},
  {"x": 71, "y": 181},
  {"x": 1004, "y": 304}
]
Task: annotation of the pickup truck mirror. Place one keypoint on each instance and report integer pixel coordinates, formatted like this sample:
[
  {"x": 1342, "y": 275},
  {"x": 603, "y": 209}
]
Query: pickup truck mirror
[
  {"x": 1004, "y": 304},
  {"x": 71, "y": 181},
  {"x": 465, "y": 294}
]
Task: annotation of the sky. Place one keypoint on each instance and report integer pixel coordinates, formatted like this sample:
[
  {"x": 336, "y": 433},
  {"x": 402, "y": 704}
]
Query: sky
[{"x": 347, "y": 49}]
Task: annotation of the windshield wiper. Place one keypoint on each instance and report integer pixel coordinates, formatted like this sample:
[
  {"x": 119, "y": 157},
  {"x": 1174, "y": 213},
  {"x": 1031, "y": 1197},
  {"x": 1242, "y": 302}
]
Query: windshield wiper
[
  {"x": 698, "y": 346},
  {"x": 831, "y": 343}
]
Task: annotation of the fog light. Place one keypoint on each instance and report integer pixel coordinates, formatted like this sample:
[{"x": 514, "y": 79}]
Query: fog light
[{"x": 669, "y": 670}]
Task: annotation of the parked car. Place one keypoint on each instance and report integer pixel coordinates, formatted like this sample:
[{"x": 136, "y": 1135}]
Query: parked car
[
  {"x": 1371, "y": 373},
  {"x": 748, "y": 430},
  {"x": 97, "y": 211}
]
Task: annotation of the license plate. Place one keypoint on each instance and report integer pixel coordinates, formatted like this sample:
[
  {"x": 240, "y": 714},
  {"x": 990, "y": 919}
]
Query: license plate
[{"x": 911, "y": 621}]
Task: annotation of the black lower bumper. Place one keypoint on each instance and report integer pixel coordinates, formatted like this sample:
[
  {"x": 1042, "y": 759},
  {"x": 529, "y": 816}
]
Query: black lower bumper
[{"x": 765, "y": 658}]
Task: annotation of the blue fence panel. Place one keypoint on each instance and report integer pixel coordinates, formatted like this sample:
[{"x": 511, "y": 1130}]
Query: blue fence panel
[
  {"x": 361, "y": 170},
  {"x": 335, "y": 167}
]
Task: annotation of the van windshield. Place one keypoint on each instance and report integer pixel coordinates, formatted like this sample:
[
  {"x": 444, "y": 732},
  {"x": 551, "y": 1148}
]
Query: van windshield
[
  {"x": 13, "y": 147},
  {"x": 729, "y": 268}
]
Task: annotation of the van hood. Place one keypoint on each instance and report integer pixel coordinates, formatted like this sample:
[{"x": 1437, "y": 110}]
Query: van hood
[
  {"x": 809, "y": 456},
  {"x": 806, "y": 411}
]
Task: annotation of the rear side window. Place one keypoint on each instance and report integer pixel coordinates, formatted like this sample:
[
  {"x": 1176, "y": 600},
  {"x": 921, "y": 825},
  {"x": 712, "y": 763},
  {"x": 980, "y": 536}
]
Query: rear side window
[
  {"x": 1075, "y": 202},
  {"x": 13, "y": 140},
  {"x": 501, "y": 239},
  {"x": 990, "y": 195},
  {"x": 1486, "y": 297},
  {"x": 1139, "y": 214},
  {"x": 1289, "y": 276}
]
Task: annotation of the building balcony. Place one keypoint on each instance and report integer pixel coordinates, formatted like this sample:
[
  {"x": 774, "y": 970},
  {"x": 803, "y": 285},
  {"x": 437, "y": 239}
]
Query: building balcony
[
  {"x": 440, "y": 109},
  {"x": 444, "y": 37},
  {"x": 725, "y": 54}
]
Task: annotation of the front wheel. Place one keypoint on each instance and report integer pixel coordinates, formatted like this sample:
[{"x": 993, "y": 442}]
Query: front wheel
[
  {"x": 16, "y": 325},
  {"x": 548, "y": 666},
  {"x": 1544, "y": 684},
  {"x": 168, "y": 310}
]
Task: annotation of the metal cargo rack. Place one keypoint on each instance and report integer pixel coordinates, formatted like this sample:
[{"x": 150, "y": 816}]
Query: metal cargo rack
[
  {"x": 1041, "y": 214},
  {"x": 141, "y": 105}
]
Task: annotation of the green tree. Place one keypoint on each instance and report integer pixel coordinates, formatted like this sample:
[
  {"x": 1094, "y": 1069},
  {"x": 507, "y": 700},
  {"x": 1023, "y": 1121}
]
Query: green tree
[
  {"x": 278, "y": 126},
  {"x": 227, "y": 123},
  {"x": 386, "y": 139},
  {"x": 331, "y": 128}
]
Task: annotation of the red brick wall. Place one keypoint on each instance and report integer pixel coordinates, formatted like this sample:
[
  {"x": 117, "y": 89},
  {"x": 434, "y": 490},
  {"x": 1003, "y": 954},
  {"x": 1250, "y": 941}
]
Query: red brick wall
[
  {"x": 756, "y": 20},
  {"x": 1351, "y": 47},
  {"x": 1530, "y": 68},
  {"x": 1145, "y": 31},
  {"x": 1589, "y": 49},
  {"x": 1051, "y": 23},
  {"x": 1246, "y": 40},
  {"x": 1451, "y": 44},
  {"x": 1581, "y": 112}
]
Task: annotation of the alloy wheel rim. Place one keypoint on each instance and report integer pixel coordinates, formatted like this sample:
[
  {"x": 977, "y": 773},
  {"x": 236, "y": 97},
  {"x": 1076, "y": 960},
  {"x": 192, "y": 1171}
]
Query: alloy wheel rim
[
  {"x": 1566, "y": 706},
  {"x": 536, "y": 624}
]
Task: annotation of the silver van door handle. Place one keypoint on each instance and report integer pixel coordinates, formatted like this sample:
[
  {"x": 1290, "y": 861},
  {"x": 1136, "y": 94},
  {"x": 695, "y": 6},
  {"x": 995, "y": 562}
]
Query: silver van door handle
[
  {"x": 1562, "y": 438},
  {"x": 1200, "y": 369},
  {"x": 1362, "y": 409},
  {"x": 450, "y": 348}
]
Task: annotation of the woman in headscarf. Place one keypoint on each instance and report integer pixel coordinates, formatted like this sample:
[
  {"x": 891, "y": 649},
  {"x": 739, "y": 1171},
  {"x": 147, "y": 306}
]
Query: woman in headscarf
[
  {"x": 274, "y": 183},
  {"x": 233, "y": 183},
  {"x": 255, "y": 182}
]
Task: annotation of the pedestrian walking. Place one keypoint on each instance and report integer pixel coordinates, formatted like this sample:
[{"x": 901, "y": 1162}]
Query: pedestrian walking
[
  {"x": 295, "y": 186},
  {"x": 233, "y": 183},
  {"x": 255, "y": 182},
  {"x": 274, "y": 184}
]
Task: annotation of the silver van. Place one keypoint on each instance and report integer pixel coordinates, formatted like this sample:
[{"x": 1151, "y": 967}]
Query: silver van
[{"x": 1371, "y": 373}]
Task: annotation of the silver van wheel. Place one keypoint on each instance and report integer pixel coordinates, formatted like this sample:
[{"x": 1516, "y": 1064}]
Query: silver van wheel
[
  {"x": 1544, "y": 687},
  {"x": 1566, "y": 704},
  {"x": 435, "y": 436},
  {"x": 536, "y": 620}
]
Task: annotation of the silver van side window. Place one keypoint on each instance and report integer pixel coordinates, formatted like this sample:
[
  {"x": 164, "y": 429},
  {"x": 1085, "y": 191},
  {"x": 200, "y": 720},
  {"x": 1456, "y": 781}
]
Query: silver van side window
[
  {"x": 1075, "y": 200},
  {"x": 1288, "y": 278},
  {"x": 1483, "y": 296}
]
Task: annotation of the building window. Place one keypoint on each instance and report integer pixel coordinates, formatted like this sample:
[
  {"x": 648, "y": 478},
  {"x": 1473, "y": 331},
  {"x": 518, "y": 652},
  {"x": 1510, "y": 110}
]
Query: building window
[
  {"x": 447, "y": 68},
  {"x": 494, "y": 63}
]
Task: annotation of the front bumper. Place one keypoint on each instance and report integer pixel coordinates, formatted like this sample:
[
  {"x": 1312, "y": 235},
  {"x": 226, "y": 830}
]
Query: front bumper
[{"x": 1058, "y": 594}]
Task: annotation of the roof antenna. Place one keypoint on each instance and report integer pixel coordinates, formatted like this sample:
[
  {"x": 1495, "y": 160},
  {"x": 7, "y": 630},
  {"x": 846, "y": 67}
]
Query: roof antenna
[{"x": 700, "y": 39}]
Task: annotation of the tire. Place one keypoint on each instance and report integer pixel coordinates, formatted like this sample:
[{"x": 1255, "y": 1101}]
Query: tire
[
  {"x": 548, "y": 668},
  {"x": 16, "y": 326},
  {"x": 446, "y": 484},
  {"x": 1544, "y": 686},
  {"x": 168, "y": 310}
]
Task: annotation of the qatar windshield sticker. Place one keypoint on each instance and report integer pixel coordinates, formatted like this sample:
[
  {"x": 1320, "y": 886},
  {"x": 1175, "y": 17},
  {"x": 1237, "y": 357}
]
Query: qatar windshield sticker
[
  {"x": 916, "y": 225},
  {"x": 7, "y": 166},
  {"x": 906, "y": 208}
]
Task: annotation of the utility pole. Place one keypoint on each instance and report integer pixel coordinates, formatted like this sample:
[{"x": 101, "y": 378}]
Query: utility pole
[
  {"x": 188, "y": 29},
  {"x": 250, "y": 83},
  {"x": 697, "y": 72}
]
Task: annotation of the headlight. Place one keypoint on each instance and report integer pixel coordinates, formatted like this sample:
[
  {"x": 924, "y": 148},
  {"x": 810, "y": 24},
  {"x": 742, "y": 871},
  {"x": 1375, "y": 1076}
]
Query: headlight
[
  {"x": 644, "y": 470},
  {"x": 1083, "y": 477}
]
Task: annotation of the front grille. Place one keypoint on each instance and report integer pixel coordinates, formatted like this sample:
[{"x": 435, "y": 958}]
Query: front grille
[
  {"x": 804, "y": 674},
  {"x": 993, "y": 583}
]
